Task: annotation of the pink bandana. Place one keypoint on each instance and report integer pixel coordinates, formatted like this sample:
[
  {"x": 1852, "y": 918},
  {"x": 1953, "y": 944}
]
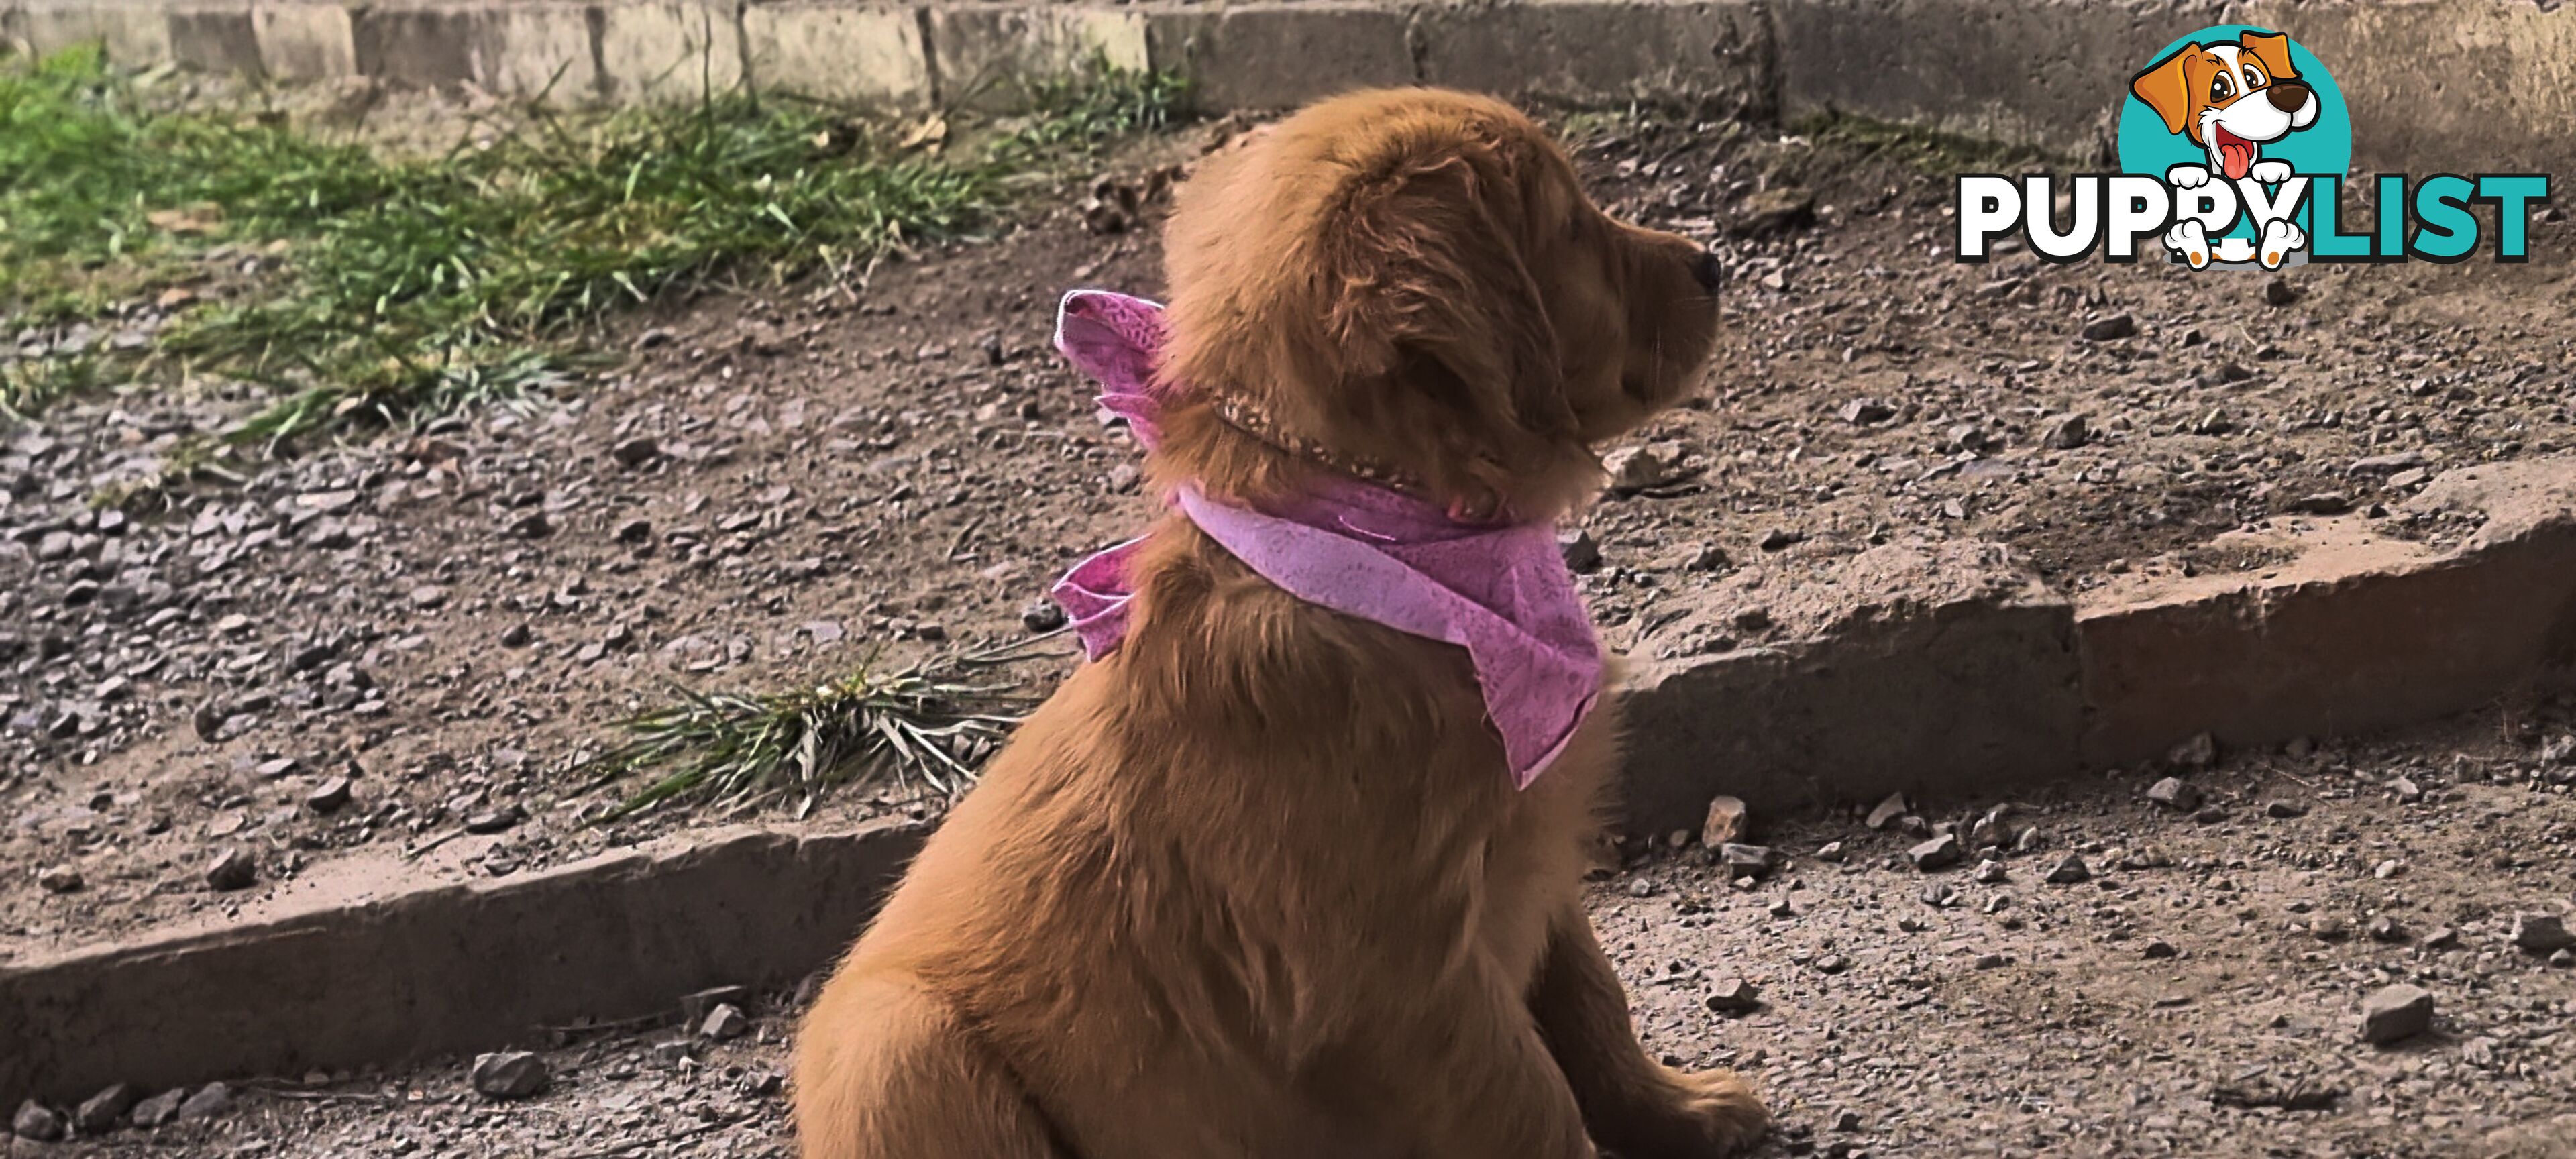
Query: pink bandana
[{"x": 1502, "y": 593}]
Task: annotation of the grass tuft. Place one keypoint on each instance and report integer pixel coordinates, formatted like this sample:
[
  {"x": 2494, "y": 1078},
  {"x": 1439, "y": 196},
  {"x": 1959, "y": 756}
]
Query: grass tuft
[
  {"x": 930, "y": 724},
  {"x": 393, "y": 289}
]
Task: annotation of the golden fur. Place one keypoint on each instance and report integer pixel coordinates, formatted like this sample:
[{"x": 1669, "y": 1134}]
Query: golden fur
[{"x": 1258, "y": 885}]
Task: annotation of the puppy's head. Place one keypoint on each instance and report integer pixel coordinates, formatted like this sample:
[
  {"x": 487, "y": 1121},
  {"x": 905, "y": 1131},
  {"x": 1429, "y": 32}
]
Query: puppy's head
[
  {"x": 1414, "y": 277},
  {"x": 2230, "y": 98}
]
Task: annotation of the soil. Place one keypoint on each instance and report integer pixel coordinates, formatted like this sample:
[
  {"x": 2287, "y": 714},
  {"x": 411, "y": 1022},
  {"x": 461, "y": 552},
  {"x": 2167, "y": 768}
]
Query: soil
[
  {"x": 452, "y": 617},
  {"x": 2200, "y": 991}
]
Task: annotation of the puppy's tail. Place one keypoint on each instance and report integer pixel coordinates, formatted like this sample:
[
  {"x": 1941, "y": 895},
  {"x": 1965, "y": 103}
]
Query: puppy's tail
[{"x": 886, "y": 1070}]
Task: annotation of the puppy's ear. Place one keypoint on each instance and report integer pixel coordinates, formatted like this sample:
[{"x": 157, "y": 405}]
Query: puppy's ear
[
  {"x": 2165, "y": 88},
  {"x": 2273, "y": 49},
  {"x": 1428, "y": 273}
]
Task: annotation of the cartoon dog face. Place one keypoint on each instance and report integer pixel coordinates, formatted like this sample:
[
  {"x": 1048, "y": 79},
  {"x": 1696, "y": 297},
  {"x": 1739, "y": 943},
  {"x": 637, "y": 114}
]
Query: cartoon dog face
[{"x": 2230, "y": 99}]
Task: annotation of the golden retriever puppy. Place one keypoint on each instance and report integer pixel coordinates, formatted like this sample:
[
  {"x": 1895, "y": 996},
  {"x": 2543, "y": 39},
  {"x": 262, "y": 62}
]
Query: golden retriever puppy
[{"x": 1260, "y": 882}]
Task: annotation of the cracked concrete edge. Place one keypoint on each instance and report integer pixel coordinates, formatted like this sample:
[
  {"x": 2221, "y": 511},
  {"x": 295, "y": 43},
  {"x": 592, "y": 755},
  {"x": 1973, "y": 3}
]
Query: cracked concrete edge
[
  {"x": 1975, "y": 695},
  {"x": 2050, "y": 73},
  {"x": 1971, "y": 682},
  {"x": 425, "y": 972}
]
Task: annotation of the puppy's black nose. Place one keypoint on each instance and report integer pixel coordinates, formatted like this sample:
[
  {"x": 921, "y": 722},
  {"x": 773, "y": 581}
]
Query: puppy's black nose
[
  {"x": 1706, "y": 269},
  {"x": 2287, "y": 95}
]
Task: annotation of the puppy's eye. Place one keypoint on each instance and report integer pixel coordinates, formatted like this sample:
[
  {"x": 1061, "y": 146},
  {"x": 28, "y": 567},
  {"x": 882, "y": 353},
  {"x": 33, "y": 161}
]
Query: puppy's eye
[
  {"x": 2222, "y": 86},
  {"x": 2253, "y": 77}
]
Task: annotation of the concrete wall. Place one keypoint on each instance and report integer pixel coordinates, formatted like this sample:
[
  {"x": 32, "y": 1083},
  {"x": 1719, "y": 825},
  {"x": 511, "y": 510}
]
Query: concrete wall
[{"x": 2043, "y": 72}]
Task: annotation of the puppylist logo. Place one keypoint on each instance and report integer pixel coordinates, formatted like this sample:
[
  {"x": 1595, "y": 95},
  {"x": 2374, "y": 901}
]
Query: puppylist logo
[{"x": 2233, "y": 146}]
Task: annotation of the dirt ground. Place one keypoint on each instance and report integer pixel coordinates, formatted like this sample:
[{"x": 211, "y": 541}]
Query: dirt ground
[
  {"x": 780, "y": 485},
  {"x": 2199, "y": 991}
]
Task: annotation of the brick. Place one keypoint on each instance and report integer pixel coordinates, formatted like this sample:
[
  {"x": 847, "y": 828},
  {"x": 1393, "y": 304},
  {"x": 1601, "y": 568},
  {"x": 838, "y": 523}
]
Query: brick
[
  {"x": 304, "y": 41},
  {"x": 661, "y": 53},
  {"x": 1914, "y": 668},
  {"x": 522, "y": 49},
  {"x": 986, "y": 56},
  {"x": 1594, "y": 52},
  {"x": 385, "y": 970},
  {"x": 2355, "y": 633},
  {"x": 1277, "y": 56},
  {"x": 2051, "y": 73},
  {"x": 836, "y": 52}
]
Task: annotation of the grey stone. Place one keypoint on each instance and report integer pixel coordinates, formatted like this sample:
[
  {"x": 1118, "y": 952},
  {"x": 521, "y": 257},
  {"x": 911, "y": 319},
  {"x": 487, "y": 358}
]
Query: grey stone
[
  {"x": 1887, "y": 811},
  {"x": 2541, "y": 933},
  {"x": 725, "y": 1023},
  {"x": 233, "y": 869},
  {"x": 2069, "y": 871},
  {"x": 160, "y": 1108},
  {"x": 99, "y": 1113},
  {"x": 2111, "y": 328},
  {"x": 1937, "y": 853},
  {"x": 210, "y": 1100},
  {"x": 36, "y": 1121},
  {"x": 695, "y": 1007},
  {"x": 2174, "y": 794},
  {"x": 2395, "y": 1013},
  {"x": 1734, "y": 996},
  {"x": 60, "y": 879},
  {"x": 1745, "y": 860},
  {"x": 511, "y": 1074}
]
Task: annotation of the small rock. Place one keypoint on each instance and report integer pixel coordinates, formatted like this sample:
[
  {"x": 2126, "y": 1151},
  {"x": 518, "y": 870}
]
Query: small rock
[
  {"x": 1990, "y": 871},
  {"x": 1704, "y": 557},
  {"x": 724, "y": 1024},
  {"x": 1861, "y": 412},
  {"x": 2174, "y": 794},
  {"x": 1940, "y": 895},
  {"x": 1781, "y": 539},
  {"x": 329, "y": 796},
  {"x": 2386, "y": 929},
  {"x": 1734, "y": 996},
  {"x": 1774, "y": 210},
  {"x": 492, "y": 821},
  {"x": 2329, "y": 928},
  {"x": 1830, "y": 851},
  {"x": 2284, "y": 810},
  {"x": 1581, "y": 553},
  {"x": 513, "y": 1074},
  {"x": 694, "y": 1007},
  {"x": 1638, "y": 468},
  {"x": 2160, "y": 948},
  {"x": 2199, "y": 752},
  {"x": 1831, "y": 964},
  {"x": 60, "y": 879},
  {"x": 37, "y": 1121},
  {"x": 2541, "y": 933},
  {"x": 209, "y": 1101},
  {"x": 160, "y": 1108},
  {"x": 99, "y": 1113},
  {"x": 1745, "y": 860},
  {"x": 2111, "y": 328},
  {"x": 1992, "y": 961},
  {"x": 2406, "y": 790},
  {"x": 2441, "y": 938},
  {"x": 2068, "y": 433},
  {"x": 673, "y": 1052},
  {"x": 635, "y": 531},
  {"x": 533, "y": 525},
  {"x": 2069, "y": 871},
  {"x": 2322, "y": 503},
  {"x": 1887, "y": 811},
  {"x": 1640, "y": 887},
  {"x": 516, "y": 636},
  {"x": 1041, "y": 615},
  {"x": 2395, "y": 1013},
  {"x": 1847, "y": 1121},
  {"x": 233, "y": 869},
  {"x": 1725, "y": 823},
  {"x": 636, "y": 452},
  {"x": 2279, "y": 292},
  {"x": 1937, "y": 853}
]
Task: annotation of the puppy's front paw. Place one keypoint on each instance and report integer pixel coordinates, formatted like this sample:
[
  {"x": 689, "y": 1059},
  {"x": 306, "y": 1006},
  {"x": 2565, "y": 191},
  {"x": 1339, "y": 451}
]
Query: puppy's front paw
[
  {"x": 2187, "y": 176},
  {"x": 2280, "y": 240},
  {"x": 2189, "y": 241},
  {"x": 2270, "y": 172},
  {"x": 1708, "y": 1115}
]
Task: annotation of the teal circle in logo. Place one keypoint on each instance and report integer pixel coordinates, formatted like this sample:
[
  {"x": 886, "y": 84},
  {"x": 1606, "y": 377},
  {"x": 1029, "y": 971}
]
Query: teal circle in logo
[{"x": 2150, "y": 144}]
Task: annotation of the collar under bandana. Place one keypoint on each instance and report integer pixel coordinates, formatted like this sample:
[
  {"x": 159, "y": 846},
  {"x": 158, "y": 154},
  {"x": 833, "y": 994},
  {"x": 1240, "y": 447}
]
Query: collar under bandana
[{"x": 1501, "y": 592}]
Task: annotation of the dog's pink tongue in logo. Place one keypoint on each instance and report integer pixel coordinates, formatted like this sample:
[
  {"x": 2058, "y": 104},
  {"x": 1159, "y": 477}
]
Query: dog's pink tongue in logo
[{"x": 2235, "y": 152}]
